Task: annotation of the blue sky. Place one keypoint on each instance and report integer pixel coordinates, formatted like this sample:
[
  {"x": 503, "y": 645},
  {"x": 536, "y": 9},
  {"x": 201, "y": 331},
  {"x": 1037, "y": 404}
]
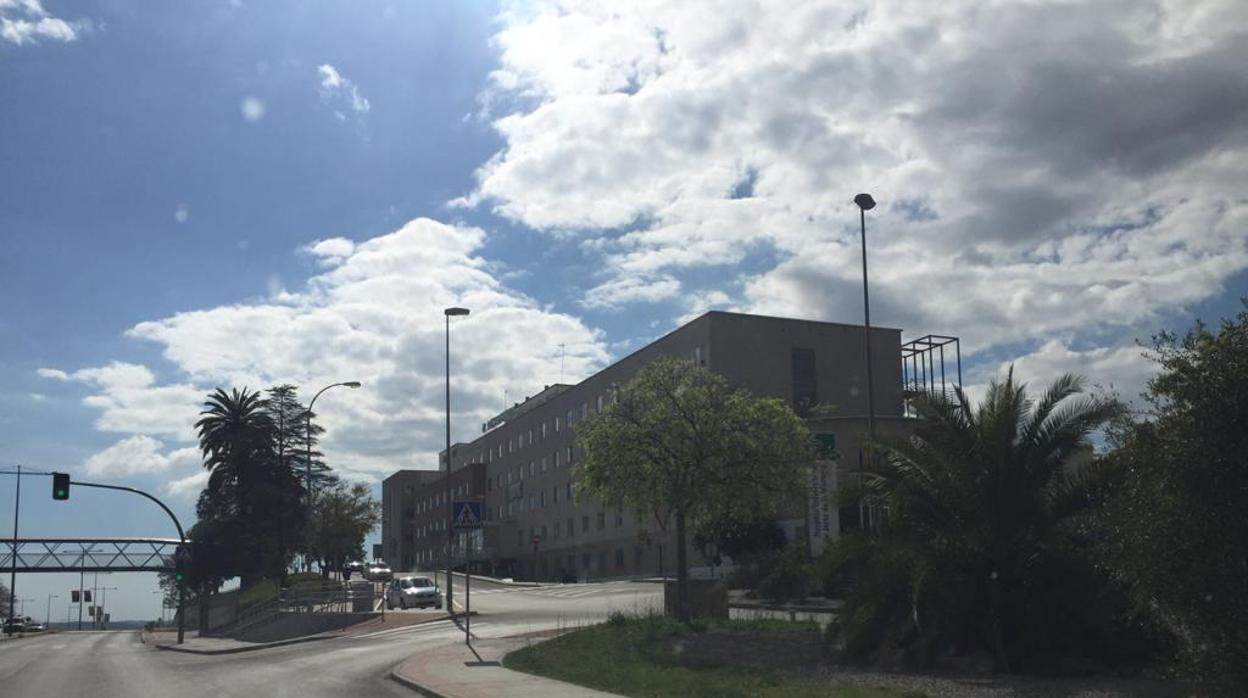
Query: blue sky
[{"x": 244, "y": 193}]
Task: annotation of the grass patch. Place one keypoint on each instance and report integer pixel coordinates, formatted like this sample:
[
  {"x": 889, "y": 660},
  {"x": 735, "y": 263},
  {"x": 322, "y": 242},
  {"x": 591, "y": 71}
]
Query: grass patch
[
  {"x": 261, "y": 591},
  {"x": 627, "y": 656}
]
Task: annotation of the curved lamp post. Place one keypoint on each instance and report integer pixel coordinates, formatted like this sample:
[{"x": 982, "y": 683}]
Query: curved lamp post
[{"x": 450, "y": 508}]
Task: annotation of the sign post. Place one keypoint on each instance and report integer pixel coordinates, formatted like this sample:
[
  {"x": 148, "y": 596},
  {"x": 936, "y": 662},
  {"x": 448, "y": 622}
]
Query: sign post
[{"x": 466, "y": 516}]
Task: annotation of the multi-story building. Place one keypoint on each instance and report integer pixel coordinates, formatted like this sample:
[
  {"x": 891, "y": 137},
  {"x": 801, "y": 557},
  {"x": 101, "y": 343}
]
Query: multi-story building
[{"x": 537, "y": 526}]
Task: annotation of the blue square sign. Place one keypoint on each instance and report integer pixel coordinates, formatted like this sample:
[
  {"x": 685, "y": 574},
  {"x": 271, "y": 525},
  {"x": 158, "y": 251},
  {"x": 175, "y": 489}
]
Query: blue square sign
[{"x": 466, "y": 514}]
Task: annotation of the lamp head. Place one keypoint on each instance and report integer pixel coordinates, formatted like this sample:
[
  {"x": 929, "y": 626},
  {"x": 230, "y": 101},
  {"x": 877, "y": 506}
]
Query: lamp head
[
  {"x": 865, "y": 202},
  {"x": 352, "y": 384},
  {"x": 455, "y": 311}
]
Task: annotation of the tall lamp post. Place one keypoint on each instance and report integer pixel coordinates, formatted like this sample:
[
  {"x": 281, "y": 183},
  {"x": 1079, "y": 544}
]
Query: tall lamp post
[
  {"x": 450, "y": 508},
  {"x": 866, "y": 203},
  {"x": 48, "y": 618},
  {"x": 307, "y": 562}
]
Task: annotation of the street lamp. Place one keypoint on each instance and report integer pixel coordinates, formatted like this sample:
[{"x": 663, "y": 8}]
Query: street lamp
[
  {"x": 307, "y": 562},
  {"x": 48, "y": 620},
  {"x": 866, "y": 203},
  {"x": 450, "y": 508}
]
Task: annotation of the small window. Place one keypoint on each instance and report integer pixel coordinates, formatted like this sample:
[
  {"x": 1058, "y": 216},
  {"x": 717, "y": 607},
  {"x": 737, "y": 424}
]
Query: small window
[
  {"x": 571, "y": 528},
  {"x": 601, "y": 399},
  {"x": 602, "y": 520},
  {"x": 584, "y": 524},
  {"x": 619, "y": 558},
  {"x": 519, "y": 537},
  {"x": 619, "y": 519},
  {"x": 584, "y": 410},
  {"x": 556, "y": 459},
  {"x": 543, "y": 430},
  {"x": 544, "y": 463},
  {"x": 530, "y": 437},
  {"x": 556, "y": 425},
  {"x": 569, "y": 491},
  {"x": 557, "y": 530},
  {"x": 542, "y": 495},
  {"x": 556, "y": 495},
  {"x": 568, "y": 453},
  {"x": 532, "y": 471}
]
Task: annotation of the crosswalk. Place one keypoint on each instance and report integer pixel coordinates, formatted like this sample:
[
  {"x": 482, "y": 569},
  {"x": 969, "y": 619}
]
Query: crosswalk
[{"x": 416, "y": 630}]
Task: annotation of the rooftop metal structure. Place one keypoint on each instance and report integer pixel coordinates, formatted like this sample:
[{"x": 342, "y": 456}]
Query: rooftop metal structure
[
  {"x": 89, "y": 554},
  {"x": 924, "y": 366}
]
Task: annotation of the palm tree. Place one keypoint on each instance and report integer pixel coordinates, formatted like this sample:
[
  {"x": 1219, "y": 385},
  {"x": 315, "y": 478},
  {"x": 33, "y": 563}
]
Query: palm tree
[
  {"x": 980, "y": 506},
  {"x": 236, "y": 438}
]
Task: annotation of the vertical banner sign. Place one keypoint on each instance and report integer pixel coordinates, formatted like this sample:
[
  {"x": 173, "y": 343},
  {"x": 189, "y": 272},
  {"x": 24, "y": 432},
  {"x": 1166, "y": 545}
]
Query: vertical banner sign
[{"x": 823, "y": 524}]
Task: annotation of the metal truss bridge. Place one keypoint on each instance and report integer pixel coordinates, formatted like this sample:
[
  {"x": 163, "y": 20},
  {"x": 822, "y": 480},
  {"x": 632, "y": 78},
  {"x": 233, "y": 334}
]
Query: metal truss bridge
[{"x": 89, "y": 554}]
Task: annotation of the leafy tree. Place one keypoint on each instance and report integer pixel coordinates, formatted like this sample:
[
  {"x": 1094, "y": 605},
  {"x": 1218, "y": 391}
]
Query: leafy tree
[
  {"x": 751, "y": 541},
  {"x": 341, "y": 519},
  {"x": 1174, "y": 528},
  {"x": 983, "y": 506},
  {"x": 251, "y": 490},
  {"x": 677, "y": 438}
]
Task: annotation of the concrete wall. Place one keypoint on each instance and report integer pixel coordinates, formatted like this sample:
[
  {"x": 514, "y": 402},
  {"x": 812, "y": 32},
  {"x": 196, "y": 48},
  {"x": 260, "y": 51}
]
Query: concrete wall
[{"x": 291, "y": 624}]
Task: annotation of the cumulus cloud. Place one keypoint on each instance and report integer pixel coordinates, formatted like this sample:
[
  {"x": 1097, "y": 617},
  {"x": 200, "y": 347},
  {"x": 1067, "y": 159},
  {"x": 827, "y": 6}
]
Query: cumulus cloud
[
  {"x": 26, "y": 22},
  {"x": 187, "y": 487},
  {"x": 374, "y": 314},
  {"x": 139, "y": 455},
  {"x": 338, "y": 90},
  {"x": 1032, "y": 180}
]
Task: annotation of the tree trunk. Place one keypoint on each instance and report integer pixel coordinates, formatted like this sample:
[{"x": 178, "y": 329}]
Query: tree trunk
[{"x": 682, "y": 569}]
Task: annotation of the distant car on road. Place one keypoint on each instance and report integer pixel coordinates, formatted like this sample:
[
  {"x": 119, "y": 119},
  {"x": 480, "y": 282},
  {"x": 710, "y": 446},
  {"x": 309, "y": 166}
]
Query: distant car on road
[
  {"x": 14, "y": 625},
  {"x": 413, "y": 592},
  {"x": 35, "y": 627},
  {"x": 378, "y": 572},
  {"x": 354, "y": 567}
]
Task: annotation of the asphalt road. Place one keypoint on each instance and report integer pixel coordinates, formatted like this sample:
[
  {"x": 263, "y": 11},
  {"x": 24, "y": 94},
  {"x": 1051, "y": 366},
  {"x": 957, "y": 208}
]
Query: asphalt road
[{"x": 117, "y": 664}]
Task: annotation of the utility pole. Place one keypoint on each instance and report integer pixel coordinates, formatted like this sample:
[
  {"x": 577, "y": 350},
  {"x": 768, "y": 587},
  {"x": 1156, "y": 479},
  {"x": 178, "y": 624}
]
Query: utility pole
[
  {"x": 48, "y": 617},
  {"x": 17, "y": 503}
]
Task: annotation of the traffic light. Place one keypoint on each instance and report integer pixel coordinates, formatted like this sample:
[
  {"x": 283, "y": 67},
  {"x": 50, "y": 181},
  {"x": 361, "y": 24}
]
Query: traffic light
[
  {"x": 60, "y": 486},
  {"x": 180, "y": 560}
]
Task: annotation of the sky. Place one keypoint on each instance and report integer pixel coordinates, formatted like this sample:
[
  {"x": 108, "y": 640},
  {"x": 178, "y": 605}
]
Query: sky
[{"x": 244, "y": 194}]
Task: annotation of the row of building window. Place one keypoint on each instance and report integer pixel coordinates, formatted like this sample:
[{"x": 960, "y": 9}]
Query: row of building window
[
  {"x": 516, "y": 443},
  {"x": 557, "y": 528}
]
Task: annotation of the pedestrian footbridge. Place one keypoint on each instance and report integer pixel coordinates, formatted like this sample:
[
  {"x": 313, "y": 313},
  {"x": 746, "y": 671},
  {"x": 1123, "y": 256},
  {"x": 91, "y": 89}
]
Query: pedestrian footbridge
[{"x": 89, "y": 554}]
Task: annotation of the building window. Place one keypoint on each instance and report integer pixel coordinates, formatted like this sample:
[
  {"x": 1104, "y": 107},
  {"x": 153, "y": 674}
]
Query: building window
[
  {"x": 602, "y": 561},
  {"x": 556, "y": 425},
  {"x": 619, "y": 558},
  {"x": 619, "y": 519},
  {"x": 602, "y": 520},
  {"x": 519, "y": 537},
  {"x": 585, "y": 559},
  {"x": 568, "y": 452},
  {"x": 584, "y": 524},
  {"x": 530, "y": 437},
  {"x": 569, "y": 491},
  {"x": 556, "y": 459},
  {"x": 804, "y": 388},
  {"x": 542, "y": 496},
  {"x": 531, "y": 469},
  {"x": 543, "y": 430},
  {"x": 697, "y": 355},
  {"x": 543, "y": 532},
  {"x": 556, "y": 495},
  {"x": 584, "y": 410},
  {"x": 571, "y": 417},
  {"x": 601, "y": 400},
  {"x": 558, "y": 526},
  {"x": 544, "y": 464},
  {"x": 571, "y": 529}
]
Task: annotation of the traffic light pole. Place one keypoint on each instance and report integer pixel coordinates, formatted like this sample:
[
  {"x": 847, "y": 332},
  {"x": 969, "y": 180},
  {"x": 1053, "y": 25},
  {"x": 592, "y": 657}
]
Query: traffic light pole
[{"x": 181, "y": 537}]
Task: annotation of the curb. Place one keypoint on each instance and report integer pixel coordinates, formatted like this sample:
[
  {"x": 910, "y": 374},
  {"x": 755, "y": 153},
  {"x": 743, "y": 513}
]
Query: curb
[
  {"x": 398, "y": 678},
  {"x": 237, "y": 650}
]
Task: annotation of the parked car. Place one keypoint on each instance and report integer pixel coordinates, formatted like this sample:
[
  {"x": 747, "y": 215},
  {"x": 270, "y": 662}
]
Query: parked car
[
  {"x": 378, "y": 572},
  {"x": 35, "y": 627},
  {"x": 14, "y": 625},
  {"x": 413, "y": 592}
]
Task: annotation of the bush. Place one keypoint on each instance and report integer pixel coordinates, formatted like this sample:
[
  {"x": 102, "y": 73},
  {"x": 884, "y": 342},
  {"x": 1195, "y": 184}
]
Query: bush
[{"x": 790, "y": 576}]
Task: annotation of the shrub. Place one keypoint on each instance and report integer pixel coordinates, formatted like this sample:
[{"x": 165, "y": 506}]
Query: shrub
[{"x": 790, "y": 576}]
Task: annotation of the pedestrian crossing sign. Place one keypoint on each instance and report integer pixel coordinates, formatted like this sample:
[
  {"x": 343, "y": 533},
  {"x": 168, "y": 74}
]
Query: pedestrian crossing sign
[{"x": 466, "y": 514}]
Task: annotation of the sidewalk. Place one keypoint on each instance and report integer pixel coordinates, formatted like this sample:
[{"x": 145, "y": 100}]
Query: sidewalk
[
  {"x": 454, "y": 671},
  {"x": 167, "y": 640}
]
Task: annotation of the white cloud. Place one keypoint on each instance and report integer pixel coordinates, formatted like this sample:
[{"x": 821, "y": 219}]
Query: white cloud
[
  {"x": 252, "y": 109},
  {"x": 1025, "y": 187},
  {"x": 181, "y": 214},
  {"x": 189, "y": 486},
  {"x": 373, "y": 314},
  {"x": 139, "y": 455},
  {"x": 336, "y": 88},
  {"x": 26, "y": 22}
]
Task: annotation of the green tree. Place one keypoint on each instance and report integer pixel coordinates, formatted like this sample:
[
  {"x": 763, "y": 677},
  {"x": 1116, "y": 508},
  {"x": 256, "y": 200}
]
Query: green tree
[
  {"x": 341, "y": 518},
  {"x": 251, "y": 491},
  {"x": 982, "y": 530},
  {"x": 677, "y": 438},
  {"x": 1174, "y": 527}
]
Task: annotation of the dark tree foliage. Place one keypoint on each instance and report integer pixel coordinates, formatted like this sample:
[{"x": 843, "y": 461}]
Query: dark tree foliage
[
  {"x": 980, "y": 550},
  {"x": 1175, "y": 527},
  {"x": 253, "y": 492}
]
